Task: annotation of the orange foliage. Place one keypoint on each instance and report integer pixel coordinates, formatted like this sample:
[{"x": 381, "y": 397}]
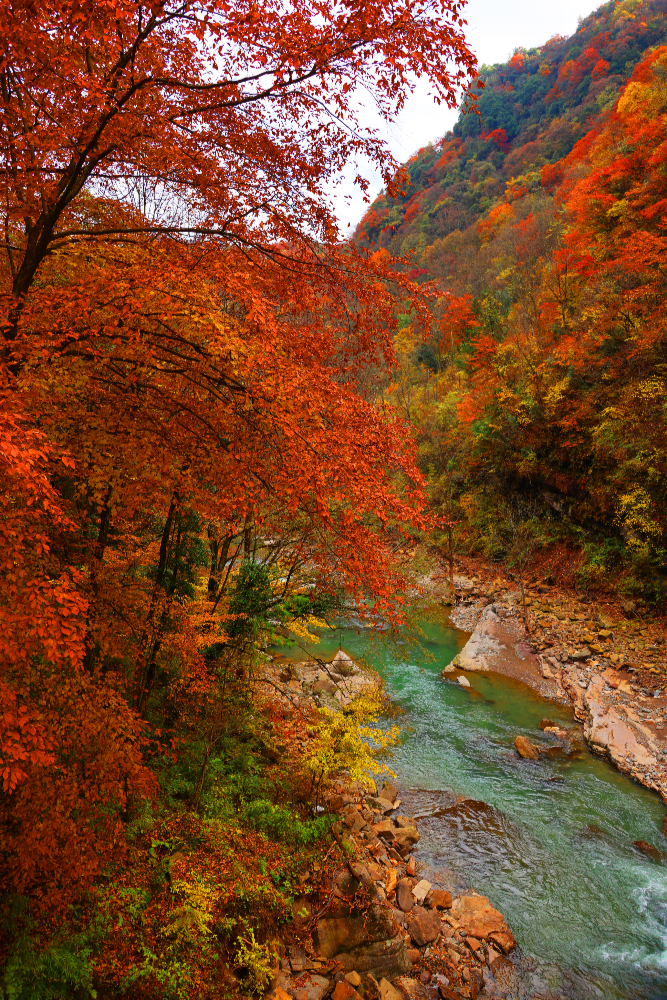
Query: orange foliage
[{"x": 182, "y": 343}]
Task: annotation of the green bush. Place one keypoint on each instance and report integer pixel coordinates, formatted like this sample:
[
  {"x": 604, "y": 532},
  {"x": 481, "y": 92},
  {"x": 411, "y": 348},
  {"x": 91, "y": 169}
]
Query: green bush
[
  {"x": 63, "y": 970},
  {"x": 281, "y": 824}
]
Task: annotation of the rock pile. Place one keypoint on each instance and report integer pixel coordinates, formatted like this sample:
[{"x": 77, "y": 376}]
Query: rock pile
[
  {"x": 315, "y": 681},
  {"x": 385, "y": 933}
]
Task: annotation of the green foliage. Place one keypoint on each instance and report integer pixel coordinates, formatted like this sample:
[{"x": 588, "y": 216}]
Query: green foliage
[
  {"x": 280, "y": 823},
  {"x": 63, "y": 970},
  {"x": 251, "y": 597}
]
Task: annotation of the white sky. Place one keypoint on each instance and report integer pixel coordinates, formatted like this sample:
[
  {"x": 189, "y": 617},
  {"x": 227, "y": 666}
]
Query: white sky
[{"x": 494, "y": 30}]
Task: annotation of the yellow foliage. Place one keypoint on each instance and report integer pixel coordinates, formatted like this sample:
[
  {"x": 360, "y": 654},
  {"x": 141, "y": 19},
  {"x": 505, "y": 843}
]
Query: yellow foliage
[
  {"x": 350, "y": 740},
  {"x": 258, "y": 960},
  {"x": 634, "y": 514},
  {"x": 300, "y": 626},
  {"x": 188, "y": 923}
]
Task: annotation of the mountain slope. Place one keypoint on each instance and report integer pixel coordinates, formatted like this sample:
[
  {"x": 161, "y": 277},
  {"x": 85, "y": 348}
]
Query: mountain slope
[
  {"x": 533, "y": 110},
  {"x": 539, "y": 396}
]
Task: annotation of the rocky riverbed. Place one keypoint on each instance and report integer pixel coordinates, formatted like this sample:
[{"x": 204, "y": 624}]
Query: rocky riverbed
[{"x": 600, "y": 658}]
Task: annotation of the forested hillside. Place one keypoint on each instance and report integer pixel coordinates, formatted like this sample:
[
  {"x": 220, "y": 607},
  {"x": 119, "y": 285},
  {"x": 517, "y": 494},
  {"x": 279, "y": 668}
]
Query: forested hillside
[{"x": 540, "y": 225}]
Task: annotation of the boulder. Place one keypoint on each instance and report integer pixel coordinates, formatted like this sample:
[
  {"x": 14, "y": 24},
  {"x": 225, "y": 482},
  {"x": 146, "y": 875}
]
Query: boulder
[
  {"x": 421, "y": 890},
  {"x": 363, "y": 938},
  {"x": 424, "y": 926},
  {"x": 388, "y": 791},
  {"x": 439, "y": 899},
  {"x": 324, "y": 686},
  {"x": 385, "y": 829},
  {"x": 410, "y": 988},
  {"x": 345, "y": 990},
  {"x": 477, "y": 918},
  {"x": 447, "y": 993},
  {"x": 526, "y": 749},
  {"x": 354, "y": 821},
  {"x": 406, "y": 836},
  {"x": 404, "y": 896},
  {"x": 343, "y": 664},
  {"x": 648, "y": 849},
  {"x": 383, "y": 805},
  {"x": 474, "y": 944},
  {"x": 310, "y": 987},
  {"x": 504, "y": 940},
  {"x": 388, "y": 992},
  {"x": 277, "y": 993}
]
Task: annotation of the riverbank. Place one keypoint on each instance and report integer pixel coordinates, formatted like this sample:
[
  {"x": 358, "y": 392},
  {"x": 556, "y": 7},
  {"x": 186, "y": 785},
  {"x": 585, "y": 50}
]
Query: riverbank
[
  {"x": 598, "y": 657},
  {"x": 375, "y": 928}
]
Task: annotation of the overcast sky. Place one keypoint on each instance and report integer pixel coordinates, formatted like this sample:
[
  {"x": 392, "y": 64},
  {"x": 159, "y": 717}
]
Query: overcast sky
[{"x": 494, "y": 30}]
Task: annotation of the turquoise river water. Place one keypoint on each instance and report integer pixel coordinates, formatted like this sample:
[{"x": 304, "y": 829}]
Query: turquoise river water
[{"x": 549, "y": 841}]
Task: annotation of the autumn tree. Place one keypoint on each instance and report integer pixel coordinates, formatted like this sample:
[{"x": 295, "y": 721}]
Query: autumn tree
[{"x": 182, "y": 337}]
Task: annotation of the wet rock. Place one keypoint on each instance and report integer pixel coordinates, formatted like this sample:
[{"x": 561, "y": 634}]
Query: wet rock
[
  {"x": 423, "y": 926},
  {"x": 404, "y": 896},
  {"x": 414, "y": 955},
  {"x": 592, "y": 831},
  {"x": 440, "y": 899},
  {"x": 477, "y": 918},
  {"x": 463, "y": 681},
  {"x": 385, "y": 829},
  {"x": 648, "y": 849},
  {"x": 526, "y": 749},
  {"x": 546, "y": 723},
  {"x": 353, "y": 978}
]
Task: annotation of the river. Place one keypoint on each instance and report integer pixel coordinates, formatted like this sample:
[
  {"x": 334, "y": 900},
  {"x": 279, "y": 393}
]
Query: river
[{"x": 549, "y": 841}]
